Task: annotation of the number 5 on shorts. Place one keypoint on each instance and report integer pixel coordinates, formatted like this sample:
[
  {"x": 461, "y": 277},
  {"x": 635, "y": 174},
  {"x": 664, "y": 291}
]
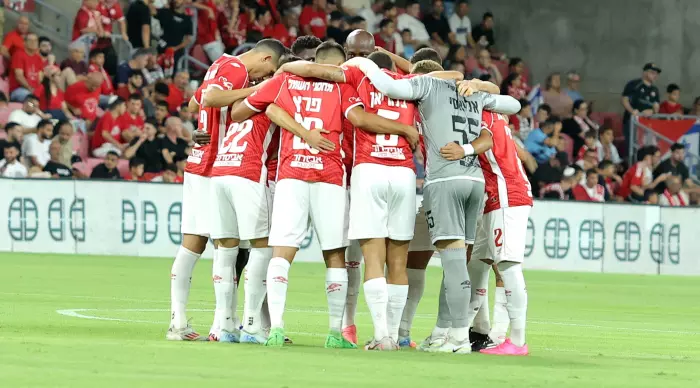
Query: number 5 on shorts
[{"x": 429, "y": 219}]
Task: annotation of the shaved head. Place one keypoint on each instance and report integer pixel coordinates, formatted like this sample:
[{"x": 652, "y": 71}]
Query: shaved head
[{"x": 359, "y": 43}]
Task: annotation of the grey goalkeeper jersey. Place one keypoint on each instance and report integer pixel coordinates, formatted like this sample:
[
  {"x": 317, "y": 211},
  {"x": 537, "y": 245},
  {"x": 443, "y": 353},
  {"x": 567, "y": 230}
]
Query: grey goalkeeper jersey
[{"x": 448, "y": 117}]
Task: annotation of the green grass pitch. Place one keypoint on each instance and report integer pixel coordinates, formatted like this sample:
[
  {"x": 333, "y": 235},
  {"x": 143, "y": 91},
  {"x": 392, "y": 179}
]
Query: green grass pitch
[{"x": 585, "y": 330}]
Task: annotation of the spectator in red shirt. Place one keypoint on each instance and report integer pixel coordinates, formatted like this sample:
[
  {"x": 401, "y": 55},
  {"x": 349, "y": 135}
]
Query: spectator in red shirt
[
  {"x": 313, "y": 19},
  {"x": 134, "y": 85},
  {"x": 14, "y": 40},
  {"x": 208, "y": 35},
  {"x": 88, "y": 20},
  {"x": 513, "y": 86},
  {"x": 286, "y": 32},
  {"x": 671, "y": 106},
  {"x": 26, "y": 69},
  {"x": 83, "y": 97},
  {"x": 97, "y": 61},
  {"x": 232, "y": 24},
  {"x": 51, "y": 97},
  {"x": 638, "y": 178},
  {"x": 591, "y": 191},
  {"x": 107, "y": 136},
  {"x": 590, "y": 141},
  {"x": 263, "y": 22},
  {"x": 111, "y": 12},
  {"x": 178, "y": 89},
  {"x": 385, "y": 37},
  {"x": 132, "y": 120}
]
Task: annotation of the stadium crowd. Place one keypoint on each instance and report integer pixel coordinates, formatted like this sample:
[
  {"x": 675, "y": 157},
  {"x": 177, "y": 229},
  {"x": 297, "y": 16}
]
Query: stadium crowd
[{"x": 90, "y": 116}]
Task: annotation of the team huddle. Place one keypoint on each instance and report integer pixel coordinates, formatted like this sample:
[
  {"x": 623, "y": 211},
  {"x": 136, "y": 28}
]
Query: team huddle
[{"x": 292, "y": 140}]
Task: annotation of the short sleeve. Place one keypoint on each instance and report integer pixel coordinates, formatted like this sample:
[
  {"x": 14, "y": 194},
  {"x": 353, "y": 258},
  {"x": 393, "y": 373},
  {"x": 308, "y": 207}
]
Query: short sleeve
[
  {"x": 266, "y": 95},
  {"x": 198, "y": 95},
  {"x": 145, "y": 16},
  {"x": 353, "y": 76},
  {"x": 230, "y": 76},
  {"x": 190, "y": 27},
  {"x": 349, "y": 98},
  {"x": 17, "y": 62},
  {"x": 421, "y": 85},
  {"x": 305, "y": 17},
  {"x": 629, "y": 89},
  {"x": 655, "y": 95},
  {"x": 118, "y": 12}
]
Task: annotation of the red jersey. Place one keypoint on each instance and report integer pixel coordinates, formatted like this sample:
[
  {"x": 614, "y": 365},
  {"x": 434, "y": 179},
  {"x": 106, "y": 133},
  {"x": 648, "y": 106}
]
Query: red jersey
[
  {"x": 585, "y": 193},
  {"x": 386, "y": 150},
  {"x": 13, "y": 42},
  {"x": 31, "y": 65},
  {"x": 126, "y": 121},
  {"x": 582, "y": 152},
  {"x": 83, "y": 19},
  {"x": 244, "y": 150},
  {"x": 314, "y": 104},
  {"x": 55, "y": 102},
  {"x": 668, "y": 107},
  {"x": 79, "y": 96},
  {"x": 206, "y": 25},
  {"x": 107, "y": 123},
  {"x": 226, "y": 73},
  {"x": 110, "y": 14},
  {"x": 314, "y": 19},
  {"x": 633, "y": 177},
  {"x": 506, "y": 182},
  {"x": 107, "y": 88},
  {"x": 273, "y": 150}
]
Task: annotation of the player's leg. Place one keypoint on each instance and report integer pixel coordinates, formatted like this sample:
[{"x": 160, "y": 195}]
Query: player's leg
[
  {"x": 420, "y": 251},
  {"x": 327, "y": 209},
  {"x": 501, "y": 320},
  {"x": 479, "y": 276},
  {"x": 353, "y": 263},
  {"x": 290, "y": 219},
  {"x": 509, "y": 259}
]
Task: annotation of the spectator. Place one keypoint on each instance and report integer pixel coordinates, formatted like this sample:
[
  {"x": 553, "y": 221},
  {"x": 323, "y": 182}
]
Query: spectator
[
  {"x": 162, "y": 108},
  {"x": 178, "y": 90},
  {"x": 573, "y": 83},
  {"x": 460, "y": 24},
  {"x": 590, "y": 191},
  {"x": 180, "y": 163},
  {"x": 35, "y": 147},
  {"x": 137, "y": 63},
  {"x": 136, "y": 169},
  {"x": 455, "y": 57},
  {"x": 522, "y": 121},
  {"x": 673, "y": 194},
  {"x": 410, "y": 20},
  {"x": 10, "y": 167},
  {"x": 385, "y": 37},
  {"x": 389, "y": 11},
  {"x": 544, "y": 112},
  {"x": 232, "y": 24},
  {"x": 187, "y": 119},
  {"x": 46, "y": 51},
  {"x": 609, "y": 179},
  {"x": 561, "y": 190},
  {"x": 286, "y": 32},
  {"x": 97, "y": 61},
  {"x": 14, "y": 40},
  {"x": 262, "y": 22},
  {"x": 336, "y": 28},
  {"x": 369, "y": 14},
  {"x": 51, "y": 97},
  {"x": 26, "y": 69},
  {"x": 674, "y": 165},
  {"x": 579, "y": 124},
  {"x": 483, "y": 33},
  {"x": 153, "y": 71},
  {"x": 695, "y": 110},
  {"x": 138, "y": 21},
  {"x": 83, "y": 97},
  {"x": 590, "y": 143},
  {"x": 107, "y": 136},
  {"x": 641, "y": 96},
  {"x": 517, "y": 65},
  {"x": 486, "y": 68},
  {"x": 312, "y": 19},
  {"x": 13, "y": 136},
  {"x": 74, "y": 68},
  {"x": 112, "y": 12},
  {"x": 589, "y": 160},
  {"x": 542, "y": 142},
  {"x": 169, "y": 174},
  {"x": 177, "y": 29},
  {"x": 88, "y": 21},
  {"x": 513, "y": 86},
  {"x": 63, "y": 134},
  {"x": 132, "y": 120},
  {"x": 147, "y": 147},
  {"x": 671, "y": 106},
  {"x": 208, "y": 35},
  {"x": 172, "y": 145},
  {"x": 357, "y": 23},
  {"x": 134, "y": 85},
  {"x": 438, "y": 27},
  {"x": 556, "y": 97},
  {"x": 638, "y": 178},
  {"x": 54, "y": 165},
  {"x": 606, "y": 148},
  {"x": 30, "y": 114},
  {"x": 108, "y": 169}
]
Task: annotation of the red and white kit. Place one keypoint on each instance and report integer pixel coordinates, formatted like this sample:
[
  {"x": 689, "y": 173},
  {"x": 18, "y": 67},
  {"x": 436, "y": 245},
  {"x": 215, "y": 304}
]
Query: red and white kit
[
  {"x": 239, "y": 181},
  {"x": 226, "y": 73},
  {"x": 310, "y": 184},
  {"x": 383, "y": 186},
  {"x": 508, "y": 199}
]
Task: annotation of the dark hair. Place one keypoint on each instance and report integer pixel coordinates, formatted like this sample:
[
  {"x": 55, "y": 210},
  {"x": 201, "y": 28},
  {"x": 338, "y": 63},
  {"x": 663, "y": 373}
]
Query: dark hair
[
  {"x": 306, "y": 42},
  {"x": 170, "y": 167},
  {"x": 3, "y": 96},
  {"x": 10, "y": 125},
  {"x": 648, "y": 193},
  {"x": 31, "y": 97},
  {"x": 593, "y": 134},
  {"x": 577, "y": 105},
  {"x": 162, "y": 88},
  {"x": 452, "y": 52},
  {"x": 135, "y": 162},
  {"x": 134, "y": 73},
  {"x": 388, "y": 5},
  {"x": 336, "y": 15},
  {"x": 289, "y": 58},
  {"x": 487, "y": 15},
  {"x": 44, "y": 122},
  {"x": 524, "y": 102},
  {"x": 426, "y": 53},
  {"x": 590, "y": 172},
  {"x": 115, "y": 104},
  {"x": 672, "y": 88},
  {"x": 507, "y": 82},
  {"x": 606, "y": 129},
  {"x": 645, "y": 151},
  {"x": 329, "y": 48},
  {"x": 272, "y": 46},
  {"x": 95, "y": 52},
  {"x": 405, "y": 30},
  {"x": 381, "y": 59},
  {"x": 356, "y": 20},
  {"x": 515, "y": 61},
  {"x": 576, "y": 168},
  {"x": 384, "y": 23},
  {"x": 163, "y": 104},
  {"x": 112, "y": 153},
  {"x": 135, "y": 96},
  {"x": 260, "y": 10},
  {"x": 152, "y": 121},
  {"x": 546, "y": 108},
  {"x": 605, "y": 164},
  {"x": 677, "y": 146},
  {"x": 411, "y": 2},
  {"x": 12, "y": 145},
  {"x": 58, "y": 125},
  {"x": 551, "y": 121},
  {"x": 43, "y": 39}
]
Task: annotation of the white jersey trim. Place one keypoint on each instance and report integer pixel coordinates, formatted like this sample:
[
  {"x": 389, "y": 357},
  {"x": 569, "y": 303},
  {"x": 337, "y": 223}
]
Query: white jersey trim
[{"x": 250, "y": 106}]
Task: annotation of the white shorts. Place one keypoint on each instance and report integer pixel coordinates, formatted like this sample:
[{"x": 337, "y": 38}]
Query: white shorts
[
  {"x": 195, "y": 205},
  {"x": 383, "y": 202},
  {"x": 501, "y": 234},
  {"x": 240, "y": 208},
  {"x": 298, "y": 203},
  {"x": 421, "y": 236}
]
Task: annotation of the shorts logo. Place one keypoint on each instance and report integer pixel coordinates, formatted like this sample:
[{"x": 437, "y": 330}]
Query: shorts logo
[
  {"x": 352, "y": 264},
  {"x": 498, "y": 237},
  {"x": 279, "y": 279},
  {"x": 333, "y": 287},
  {"x": 481, "y": 291},
  {"x": 216, "y": 278}
]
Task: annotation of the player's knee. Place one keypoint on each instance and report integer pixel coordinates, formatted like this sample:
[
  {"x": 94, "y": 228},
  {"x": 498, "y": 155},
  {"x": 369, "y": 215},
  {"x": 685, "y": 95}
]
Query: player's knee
[
  {"x": 259, "y": 243},
  {"x": 286, "y": 253},
  {"x": 194, "y": 243},
  {"x": 450, "y": 244},
  {"x": 334, "y": 258},
  {"x": 227, "y": 242},
  {"x": 503, "y": 266}
]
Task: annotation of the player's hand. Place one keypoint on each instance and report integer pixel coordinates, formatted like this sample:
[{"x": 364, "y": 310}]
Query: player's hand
[
  {"x": 452, "y": 151},
  {"x": 381, "y": 49},
  {"x": 314, "y": 138},
  {"x": 365, "y": 65},
  {"x": 465, "y": 88},
  {"x": 412, "y": 136},
  {"x": 201, "y": 137}
]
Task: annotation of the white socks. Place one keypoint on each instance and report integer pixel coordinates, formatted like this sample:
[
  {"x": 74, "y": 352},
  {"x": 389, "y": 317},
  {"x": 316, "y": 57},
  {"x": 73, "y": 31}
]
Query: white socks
[
  {"x": 353, "y": 264},
  {"x": 336, "y": 294},
  {"x": 225, "y": 287},
  {"x": 479, "y": 276},
  {"x": 255, "y": 288},
  {"x": 180, "y": 280},
  {"x": 397, "y": 302},
  {"x": 416, "y": 287},
  {"x": 277, "y": 279},
  {"x": 516, "y": 294},
  {"x": 501, "y": 321},
  {"x": 377, "y": 298}
]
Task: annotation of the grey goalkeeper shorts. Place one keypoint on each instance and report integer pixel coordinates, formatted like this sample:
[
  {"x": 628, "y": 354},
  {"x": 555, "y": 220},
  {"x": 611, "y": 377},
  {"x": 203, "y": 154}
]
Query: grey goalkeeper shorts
[{"x": 452, "y": 208}]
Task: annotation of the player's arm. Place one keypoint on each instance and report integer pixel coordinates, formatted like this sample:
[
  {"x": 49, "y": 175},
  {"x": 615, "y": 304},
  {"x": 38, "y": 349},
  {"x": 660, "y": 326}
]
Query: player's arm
[
  {"x": 467, "y": 88},
  {"x": 192, "y": 105},
  {"x": 448, "y": 75},
  {"x": 401, "y": 63},
  {"x": 527, "y": 159},
  {"x": 377, "y": 124},
  {"x": 314, "y": 70},
  {"x": 453, "y": 151},
  {"x": 506, "y": 105},
  {"x": 312, "y": 137},
  {"x": 215, "y": 97}
]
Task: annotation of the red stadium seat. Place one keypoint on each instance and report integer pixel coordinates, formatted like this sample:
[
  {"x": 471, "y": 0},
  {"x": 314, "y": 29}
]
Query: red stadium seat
[
  {"x": 81, "y": 144},
  {"x": 198, "y": 53},
  {"x": 4, "y": 85},
  {"x": 502, "y": 67},
  {"x": 123, "y": 167},
  {"x": 470, "y": 64},
  {"x": 4, "y": 115}
]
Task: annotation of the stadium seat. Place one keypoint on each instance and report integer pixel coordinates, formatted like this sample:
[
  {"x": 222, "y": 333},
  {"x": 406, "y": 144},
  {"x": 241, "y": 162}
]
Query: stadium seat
[
  {"x": 569, "y": 146},
  {"x": 502, "y": 66},
  {"x": 3, "y": 135},
  {"x": 123, "y": 167},
  {"x": 470, "y": 64},
  {"x": 14, "y": 105},
  {"x": 4, "y": 115},
  {"x": 4, "y": 85},
  {"x": 81, "y": 144},
  {"x": 198, "y": 53}
]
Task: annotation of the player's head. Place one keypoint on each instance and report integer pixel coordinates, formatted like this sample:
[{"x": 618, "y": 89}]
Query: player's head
[
  {"x": 425, "y": 66},
  {"x": 305, "y": 47},
  {"x": 426, "y": 53},
  {"x": 382, "y": 60},
  {"x": 330, "y": 53},
  {"x": 265, "y": 57},
  {"x": 289, "y": 58},
  {"x": 359, "y": 43}
]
